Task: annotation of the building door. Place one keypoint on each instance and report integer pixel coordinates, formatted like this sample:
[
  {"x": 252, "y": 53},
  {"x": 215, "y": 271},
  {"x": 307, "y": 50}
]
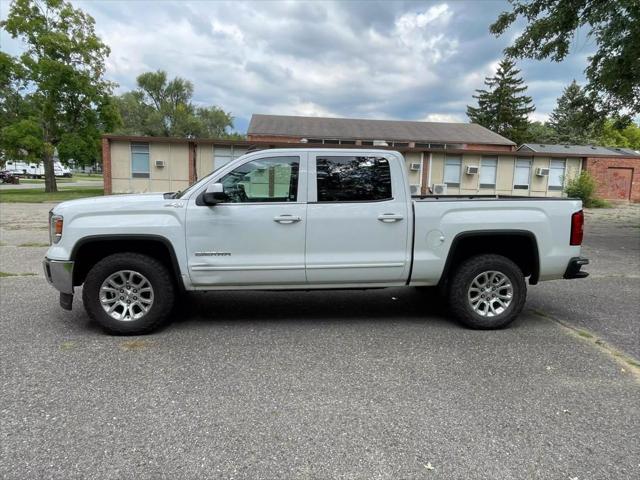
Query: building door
[{"x": 619, "y": 183}]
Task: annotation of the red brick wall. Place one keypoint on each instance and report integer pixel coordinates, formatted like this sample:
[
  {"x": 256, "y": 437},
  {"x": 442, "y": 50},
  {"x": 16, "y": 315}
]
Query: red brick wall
[
  {"x": 106, "y": 165},
  {"x": 609, "y": 182}
]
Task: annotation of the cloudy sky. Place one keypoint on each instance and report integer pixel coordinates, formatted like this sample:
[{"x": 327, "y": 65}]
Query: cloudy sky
[{"x": 417, "y": 60}]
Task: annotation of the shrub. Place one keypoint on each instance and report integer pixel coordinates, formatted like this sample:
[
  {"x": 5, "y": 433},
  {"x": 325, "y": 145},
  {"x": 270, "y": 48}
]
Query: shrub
[{"x": 584, "y": 188}]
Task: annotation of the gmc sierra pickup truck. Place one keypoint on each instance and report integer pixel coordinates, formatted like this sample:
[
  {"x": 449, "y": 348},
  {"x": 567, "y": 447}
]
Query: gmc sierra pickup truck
[{"x": 308, "y": 219}]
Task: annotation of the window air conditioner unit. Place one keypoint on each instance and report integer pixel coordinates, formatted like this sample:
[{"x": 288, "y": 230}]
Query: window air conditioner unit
[
  {"x": 159, "y": 163},
  {"x": 472, "y": 169},
  {"x": 439, "y": 189},
  {"x": 415, "y": 167},
  {"x": 415, "y": 189},
  {"x": 542, "y": 172},
  {"x": 380, "y": 143}
]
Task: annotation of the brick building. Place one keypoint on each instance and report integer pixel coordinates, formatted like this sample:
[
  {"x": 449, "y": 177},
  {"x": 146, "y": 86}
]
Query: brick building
[{"x": 616, "y": 170}]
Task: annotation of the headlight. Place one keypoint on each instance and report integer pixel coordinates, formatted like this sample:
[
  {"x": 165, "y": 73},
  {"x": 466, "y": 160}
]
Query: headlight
[{"x": 55, "y": 227}]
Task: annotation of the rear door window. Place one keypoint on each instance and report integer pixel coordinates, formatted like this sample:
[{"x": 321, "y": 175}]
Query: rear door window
[{"x": 353, "y": 179}]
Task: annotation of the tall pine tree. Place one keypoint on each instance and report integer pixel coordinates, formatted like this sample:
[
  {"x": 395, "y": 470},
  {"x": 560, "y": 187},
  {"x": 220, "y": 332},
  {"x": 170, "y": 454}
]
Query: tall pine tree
[
  {"x": 573, "y": 119},
  {"x": 502, "y": 107}
]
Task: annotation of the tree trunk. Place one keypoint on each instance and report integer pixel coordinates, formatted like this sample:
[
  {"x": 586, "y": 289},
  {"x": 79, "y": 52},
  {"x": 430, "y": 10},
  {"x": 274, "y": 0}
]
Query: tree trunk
[{"x": 49, "y": 174}]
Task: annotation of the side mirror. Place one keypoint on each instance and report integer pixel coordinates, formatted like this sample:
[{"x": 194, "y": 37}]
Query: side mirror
[{"x": 214, "y": 194}]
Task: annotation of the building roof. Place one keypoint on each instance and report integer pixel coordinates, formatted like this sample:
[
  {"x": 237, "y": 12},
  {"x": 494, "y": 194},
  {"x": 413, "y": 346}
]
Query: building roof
[
  {"x": 360, "y": 129},
  {"x": 583, "y": 150}
]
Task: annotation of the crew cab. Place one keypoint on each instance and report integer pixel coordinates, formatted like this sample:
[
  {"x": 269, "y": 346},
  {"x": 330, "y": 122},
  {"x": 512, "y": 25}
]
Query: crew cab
[{"x": 308, "y": 219}]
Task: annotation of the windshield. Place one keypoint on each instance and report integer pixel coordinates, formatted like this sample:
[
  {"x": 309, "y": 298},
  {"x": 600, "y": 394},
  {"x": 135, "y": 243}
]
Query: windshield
[{"x": 194, "y": 186}]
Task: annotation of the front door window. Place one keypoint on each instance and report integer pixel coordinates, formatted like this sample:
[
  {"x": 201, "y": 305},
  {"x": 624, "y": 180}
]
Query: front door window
[{"x": 272, "y": 179}]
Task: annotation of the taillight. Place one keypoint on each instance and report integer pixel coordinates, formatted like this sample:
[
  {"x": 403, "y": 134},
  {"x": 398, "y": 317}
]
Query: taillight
[{"x": 577, "y": 228}]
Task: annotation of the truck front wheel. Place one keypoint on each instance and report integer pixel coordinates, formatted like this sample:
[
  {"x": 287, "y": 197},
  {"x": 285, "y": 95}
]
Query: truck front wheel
[
  {"x": 128, "y": 293},
  {"x": 487, "y": 292}
]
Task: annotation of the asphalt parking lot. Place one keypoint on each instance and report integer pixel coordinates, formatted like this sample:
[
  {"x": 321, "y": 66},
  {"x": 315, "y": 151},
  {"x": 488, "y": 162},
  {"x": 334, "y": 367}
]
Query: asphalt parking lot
[{"x": 377, "y": 384}]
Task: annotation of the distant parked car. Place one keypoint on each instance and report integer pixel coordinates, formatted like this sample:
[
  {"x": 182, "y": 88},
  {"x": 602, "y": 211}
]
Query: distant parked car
[{"x": 8, "y": 177}]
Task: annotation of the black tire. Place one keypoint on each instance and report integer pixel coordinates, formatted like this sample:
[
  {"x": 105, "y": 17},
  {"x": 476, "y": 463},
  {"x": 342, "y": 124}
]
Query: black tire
[
  {"x": 462, "y": 279},
  {"x": 157, "y": 275}
]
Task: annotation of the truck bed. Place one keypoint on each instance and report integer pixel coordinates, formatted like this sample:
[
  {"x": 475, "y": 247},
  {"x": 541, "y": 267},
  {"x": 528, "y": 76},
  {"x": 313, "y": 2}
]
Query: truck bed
[{"x": 452, "y": 198}]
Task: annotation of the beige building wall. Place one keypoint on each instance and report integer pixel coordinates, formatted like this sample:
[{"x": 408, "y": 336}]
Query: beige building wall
[
  {"x": 173, "y": 176},
  {"x": 539, "y": 185},
  {"x": 414, "y": 175},
  {"x": 469, "y": 184},
  {"x": 437, "y": 168},
  {"x": 204, "y": 160},
  {"x": 504, "y": 176}
]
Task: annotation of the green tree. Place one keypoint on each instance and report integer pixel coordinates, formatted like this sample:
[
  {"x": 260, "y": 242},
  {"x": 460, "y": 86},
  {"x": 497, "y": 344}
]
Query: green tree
[
  {"x": 573, "y": 118},
  {"x": 62, "y": 69},
  {"x": 551, "y": 29},
  {"x": 162, "y": 107},
  {"x": 612, "y": 136},
  {"x": 214, "y": 122},
  {"x": 539, "y": 132},
  {"x": 503, "y": 108}
]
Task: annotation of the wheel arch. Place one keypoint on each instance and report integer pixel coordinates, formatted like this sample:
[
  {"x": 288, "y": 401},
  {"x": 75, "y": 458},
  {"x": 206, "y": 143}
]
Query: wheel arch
[
  {"x": 520, "y": 246},
  {"x": 90, "y": 250}
]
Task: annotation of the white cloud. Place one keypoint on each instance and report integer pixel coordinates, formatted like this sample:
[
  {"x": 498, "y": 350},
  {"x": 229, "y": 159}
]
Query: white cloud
[
  {"x": 444, "y": 117},
  {"x": 415, "y": 60}
]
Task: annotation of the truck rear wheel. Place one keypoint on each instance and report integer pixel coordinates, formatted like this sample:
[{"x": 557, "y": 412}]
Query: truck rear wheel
[
  {"x": 128, "y": 293},
  {"x": 487, "y": 292}
]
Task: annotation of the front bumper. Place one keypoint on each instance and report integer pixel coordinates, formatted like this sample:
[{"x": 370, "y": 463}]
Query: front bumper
[
  {"x": 573, "y": 269},
  {"x": 59, "y": 273}
]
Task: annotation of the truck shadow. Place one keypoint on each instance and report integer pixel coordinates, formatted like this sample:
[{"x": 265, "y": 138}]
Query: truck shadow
[{"x": 404, "y": 304}]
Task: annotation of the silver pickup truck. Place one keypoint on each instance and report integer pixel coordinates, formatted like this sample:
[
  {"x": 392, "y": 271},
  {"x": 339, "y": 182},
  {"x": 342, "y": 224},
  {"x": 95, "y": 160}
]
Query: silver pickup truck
[{"x": 308, "y": 219}]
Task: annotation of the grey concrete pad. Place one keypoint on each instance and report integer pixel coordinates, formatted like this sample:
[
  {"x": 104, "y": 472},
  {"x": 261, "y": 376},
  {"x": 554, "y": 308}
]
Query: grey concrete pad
[
  {"x": 350, "y": 384},
  {"x": 24, "y": 223},
  {"x": 607, "y": 303},
  {"x": 307, "y": 385}
]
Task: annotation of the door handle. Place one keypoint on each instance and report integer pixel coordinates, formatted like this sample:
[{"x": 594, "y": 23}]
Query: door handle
[
  {"x": 390, "y": 217},
  {"x": 286, "y": 219}
]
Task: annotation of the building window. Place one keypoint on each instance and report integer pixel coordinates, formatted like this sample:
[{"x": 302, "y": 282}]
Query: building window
[
  {"x": 522, "y": 174},
  {"x": 272, "y": 179},
  {"x": 556, "y": 174},
  {"x": 223, "y": 154},
  {"x": 331, "y": 141},
  {"x": 140, "y": 160},
  {"x": 488, "y": 172},
  {"x": 452, "y": 166},
  {"x": 353, "y": 179},
  {"x": 367, "y": 142},
  {"x": 347, "y": 142},
  {"x": 314, "y": 140}
]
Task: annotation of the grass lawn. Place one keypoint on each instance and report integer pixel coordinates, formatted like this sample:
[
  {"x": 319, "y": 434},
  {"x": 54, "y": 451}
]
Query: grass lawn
[
  {"x": 86, "y": 176},
  {"x": 32, "y": 195},
  {"x": 78, "y": 176},
  {"x": 41, "y": 180}
]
